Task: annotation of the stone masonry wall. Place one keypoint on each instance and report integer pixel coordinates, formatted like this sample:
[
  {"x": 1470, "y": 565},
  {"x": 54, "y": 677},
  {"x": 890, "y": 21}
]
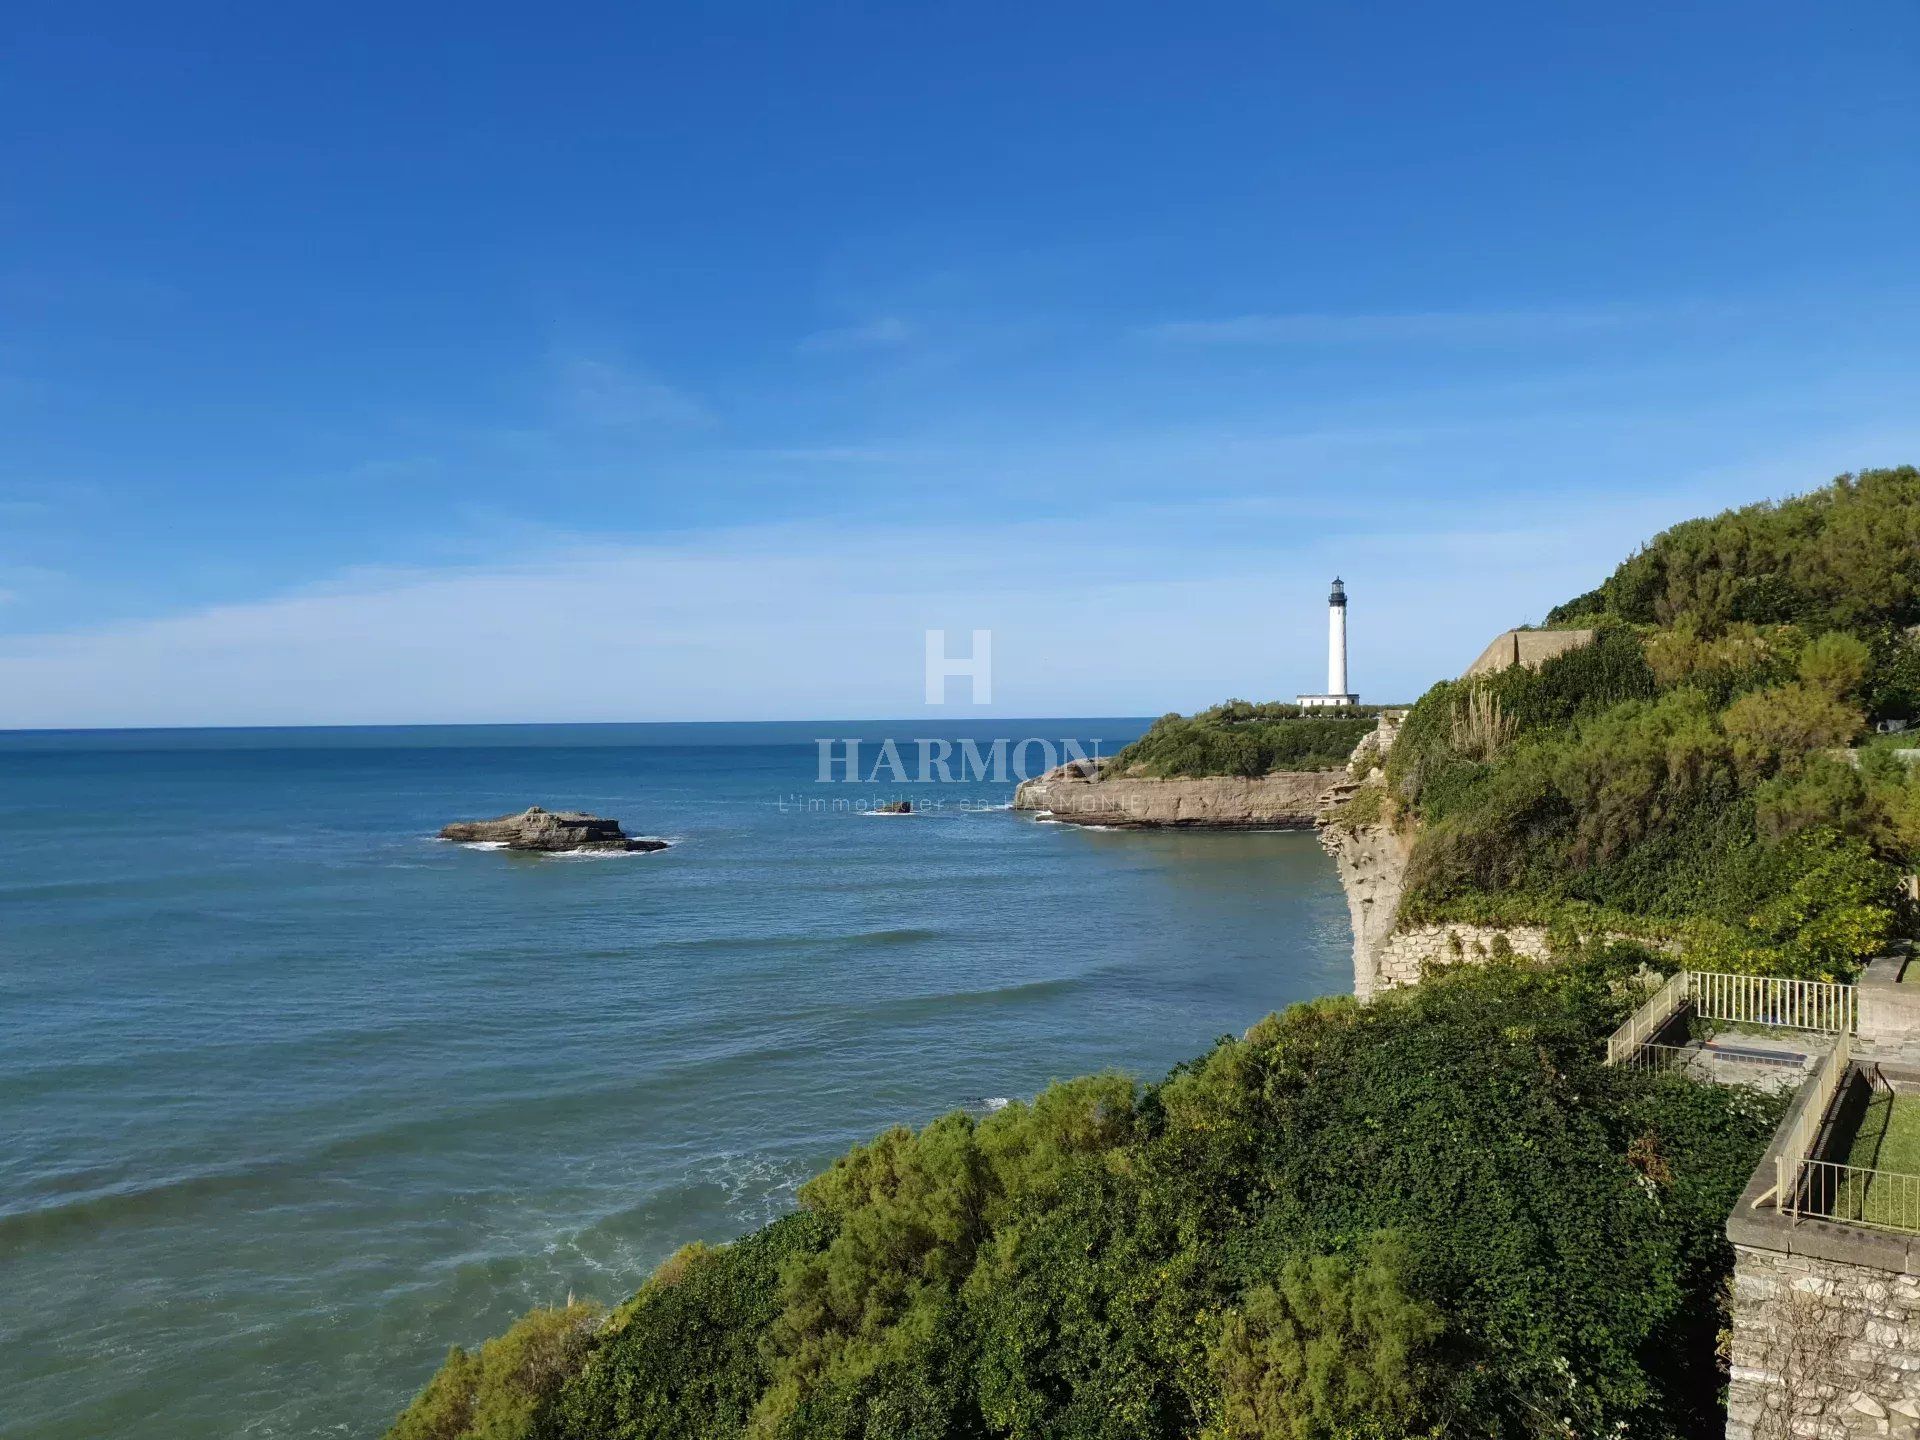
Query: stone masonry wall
[
  {"x": 1404, "y": 955},
  {"x": 1822, "y": 1349}
]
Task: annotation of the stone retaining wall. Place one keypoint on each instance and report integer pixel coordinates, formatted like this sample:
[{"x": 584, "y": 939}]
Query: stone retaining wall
[
  {"x": 1825, "y": 1318},
  {"x": 1822, "y": 1349},
  {"x": 1403, "y": 956}
]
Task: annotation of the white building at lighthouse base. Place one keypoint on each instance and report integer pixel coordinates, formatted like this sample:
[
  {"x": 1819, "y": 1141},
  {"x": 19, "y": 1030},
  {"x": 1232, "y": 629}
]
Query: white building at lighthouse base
[{"x": 1324, "y": 702}]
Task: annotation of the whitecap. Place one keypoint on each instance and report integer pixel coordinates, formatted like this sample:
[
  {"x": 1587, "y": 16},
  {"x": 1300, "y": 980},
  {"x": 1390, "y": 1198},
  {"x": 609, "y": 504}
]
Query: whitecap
[{"x": 603, "y": 854}]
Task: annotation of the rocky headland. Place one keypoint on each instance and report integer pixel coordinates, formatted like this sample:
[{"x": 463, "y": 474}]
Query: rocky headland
[
  {"x": 551, "y": 832},
  {"x": 1085, "y": 792}
]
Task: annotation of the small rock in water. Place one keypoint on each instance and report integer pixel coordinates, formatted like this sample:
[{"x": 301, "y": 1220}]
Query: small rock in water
[
  {"x": 894, "y": 807},
  {"x": 549, "y": 831}
]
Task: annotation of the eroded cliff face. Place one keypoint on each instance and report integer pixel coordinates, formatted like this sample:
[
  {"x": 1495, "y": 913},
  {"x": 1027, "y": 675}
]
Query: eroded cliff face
[
  {"x": 1372, "y": 863},
  {"x": 1287, "y": 800},
  {"x": 1371, "y": 859}
]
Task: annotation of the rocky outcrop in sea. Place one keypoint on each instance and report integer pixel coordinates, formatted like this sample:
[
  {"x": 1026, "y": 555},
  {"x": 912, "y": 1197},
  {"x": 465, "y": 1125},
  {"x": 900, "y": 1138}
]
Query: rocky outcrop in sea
[{"x": 550, "y": 831}]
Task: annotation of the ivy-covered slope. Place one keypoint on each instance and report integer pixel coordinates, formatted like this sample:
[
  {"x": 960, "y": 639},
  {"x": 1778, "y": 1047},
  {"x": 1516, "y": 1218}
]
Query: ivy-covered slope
[
  {"x": 1690, "y": 773},
  {"x": 1435, "y": 1215}
]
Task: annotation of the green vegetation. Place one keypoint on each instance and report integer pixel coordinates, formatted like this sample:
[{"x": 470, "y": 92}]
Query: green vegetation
[
  {"x": 1686, "y": 775},
  {"x": 1241, "y": 738},
  {"x": 1436, "y": 1215},
  {"x": 1888, "y": 1135},
  {"x": 1886, "y": 1140},
  {"x": 499, "y": 1393}
]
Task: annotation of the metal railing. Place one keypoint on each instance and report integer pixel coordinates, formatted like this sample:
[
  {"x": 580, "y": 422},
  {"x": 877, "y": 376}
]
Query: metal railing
[
  {"x": 1647, "y": 1021},
  {"x": 1765, "y": 1000},
  {"x": 1798, "y": 1146},
  {"x": 1855, "y": 1195},
  {"x": 1658, "y": 1058}
]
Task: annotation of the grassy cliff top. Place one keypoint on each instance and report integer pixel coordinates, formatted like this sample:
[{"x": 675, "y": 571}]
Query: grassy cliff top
[{"x": 1242, "y": 738}]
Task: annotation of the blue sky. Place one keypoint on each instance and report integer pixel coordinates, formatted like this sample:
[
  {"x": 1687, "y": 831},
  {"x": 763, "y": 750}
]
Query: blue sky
[{"x": 443, "y": 363}]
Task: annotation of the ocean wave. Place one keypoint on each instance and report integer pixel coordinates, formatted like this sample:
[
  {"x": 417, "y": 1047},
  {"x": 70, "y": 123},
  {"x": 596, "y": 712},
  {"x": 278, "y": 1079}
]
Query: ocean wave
[
  {"x": 940, "y": 1002},
  {"x": 884, "y": 937},
  {"x": 854, "y": 939},
  {"x": 996, "y": 1102},
  {"x": 121, "y": 1203}
]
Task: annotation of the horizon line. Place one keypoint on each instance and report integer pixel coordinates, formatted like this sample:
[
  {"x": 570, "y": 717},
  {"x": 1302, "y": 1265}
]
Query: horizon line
[{"x": 558, "y": 724}]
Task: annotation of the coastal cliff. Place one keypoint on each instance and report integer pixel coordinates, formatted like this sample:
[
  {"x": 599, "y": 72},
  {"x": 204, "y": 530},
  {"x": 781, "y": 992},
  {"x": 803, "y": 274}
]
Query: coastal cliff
[
  {"x": 1080, "y": 794},
  {"x": 1372, "y": 864},
  {"x": 1371, "y": 848}
]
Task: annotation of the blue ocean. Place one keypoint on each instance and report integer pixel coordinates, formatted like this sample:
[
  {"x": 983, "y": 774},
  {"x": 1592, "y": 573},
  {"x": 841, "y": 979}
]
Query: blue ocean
[{"x": 294, "y": 1095}]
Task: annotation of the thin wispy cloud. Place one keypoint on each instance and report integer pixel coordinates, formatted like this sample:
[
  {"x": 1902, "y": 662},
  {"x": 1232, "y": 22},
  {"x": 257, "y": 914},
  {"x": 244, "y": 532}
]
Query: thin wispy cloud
[
  {"x": 1417, "y": 326},
  {"x": 838, "y": 455},
  {"x": 885, "y": 333},
  {"x": 799, "y": 620},
  {"x": 613, "y": 394}
]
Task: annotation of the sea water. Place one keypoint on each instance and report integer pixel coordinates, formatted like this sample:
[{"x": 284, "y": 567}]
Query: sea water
[{"x": 294, "y": 1095}]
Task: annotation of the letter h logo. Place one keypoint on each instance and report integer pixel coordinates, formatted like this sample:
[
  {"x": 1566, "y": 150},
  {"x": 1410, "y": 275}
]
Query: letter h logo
[{"x": 977, "y": 667}]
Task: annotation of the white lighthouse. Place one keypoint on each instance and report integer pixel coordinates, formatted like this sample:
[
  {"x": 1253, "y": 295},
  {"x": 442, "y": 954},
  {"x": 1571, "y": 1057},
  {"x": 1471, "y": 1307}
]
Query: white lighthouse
[{"x": 1337, "y": 693}]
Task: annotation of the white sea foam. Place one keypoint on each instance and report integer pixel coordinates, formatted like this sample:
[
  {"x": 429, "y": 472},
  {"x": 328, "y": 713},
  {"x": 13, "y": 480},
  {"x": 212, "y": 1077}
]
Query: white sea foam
[
  {"x": 482, "y": 844},
  {"x": 757, "y": 1187},
  {"x": 996, "y": 1102}
]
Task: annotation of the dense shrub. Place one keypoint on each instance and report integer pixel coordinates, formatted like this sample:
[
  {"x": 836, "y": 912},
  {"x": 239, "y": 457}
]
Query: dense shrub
[
  {"x": 1846, "y": 557},
  {"x": 684, "y": 1356},
  {"x": 500, "y": 1392},
  {"x": 1240, "y": 738},
  {"x": 1686, "y": 773},
  {"x": 1825, "y": 907},
  {"x": 1335, "y": 1343},
  {"x": 1437, "y": 1214}
]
